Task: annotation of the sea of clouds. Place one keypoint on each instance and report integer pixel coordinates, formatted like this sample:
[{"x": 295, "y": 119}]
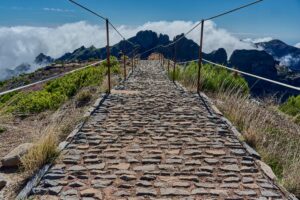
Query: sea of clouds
[{"x": 21, "y": 44}]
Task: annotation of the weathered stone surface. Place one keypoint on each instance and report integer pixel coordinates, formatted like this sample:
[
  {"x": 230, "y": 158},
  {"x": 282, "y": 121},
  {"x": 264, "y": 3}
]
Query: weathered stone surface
[
  {"x": 90, "y": 193},
  {"x": 96, "y": 167},
  {"x": 267, "y": 170},
  {"x": 245, "y": 192},
  {"x": 12, "y": 159},
  {"x": 120, "y": 166},
  {"x": 101, "y": 183},
  {"x": 145, "y": 192},
  {"x": 55, "y": 190},
  {"x": 145, "y": 168},
  {"x": 76, "y": 184},
  {"x": 174, "y": 192},
  {"x": 216, "y": 152}
]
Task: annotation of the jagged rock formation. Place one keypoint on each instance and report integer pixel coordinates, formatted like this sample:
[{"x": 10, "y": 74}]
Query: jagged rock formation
[
  {"x": 254, "y": 62},
  {"x": 43, "y": 59}
]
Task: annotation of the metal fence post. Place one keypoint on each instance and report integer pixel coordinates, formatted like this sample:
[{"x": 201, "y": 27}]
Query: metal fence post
[
  {"x": 168, "y": 66},
  {"x": 132, "y": 63},
  {"x": 108, "y": 54},
  {"x": 174, "y": 66},
  {"x": 124, "y": 65},
  {"x": 200, "y": 56}
]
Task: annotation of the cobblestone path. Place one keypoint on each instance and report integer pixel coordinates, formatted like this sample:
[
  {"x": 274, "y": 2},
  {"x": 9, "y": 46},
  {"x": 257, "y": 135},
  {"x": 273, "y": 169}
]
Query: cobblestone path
[{"x": 151, "y": 140}]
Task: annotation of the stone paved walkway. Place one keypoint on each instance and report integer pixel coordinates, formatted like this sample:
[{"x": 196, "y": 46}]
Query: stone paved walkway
[{"x": 154, "y": 141}]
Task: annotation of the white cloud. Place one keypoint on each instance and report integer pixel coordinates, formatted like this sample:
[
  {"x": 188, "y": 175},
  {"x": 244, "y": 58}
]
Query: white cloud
[
  {"x": 289, "y": 60},
  {"x": 297, "y": 45},
  {"x": 57, "y": 10},
  {"x": 23, "y": 43},
  {"x": 258, "y": 40}
]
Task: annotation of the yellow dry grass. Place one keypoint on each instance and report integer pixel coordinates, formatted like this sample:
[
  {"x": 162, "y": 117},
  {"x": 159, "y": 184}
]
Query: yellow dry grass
[{"x": 44, "y": 151}]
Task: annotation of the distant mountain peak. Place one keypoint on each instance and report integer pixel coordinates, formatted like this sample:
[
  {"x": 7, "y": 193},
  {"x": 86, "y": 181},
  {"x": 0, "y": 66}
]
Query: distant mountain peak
[
  {"x": 286, "y": 54},
  {"x": 43, "y": 59}
]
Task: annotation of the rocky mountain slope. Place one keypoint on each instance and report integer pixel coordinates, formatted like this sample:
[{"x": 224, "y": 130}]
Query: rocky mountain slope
[{"x": 287, "y": 55}]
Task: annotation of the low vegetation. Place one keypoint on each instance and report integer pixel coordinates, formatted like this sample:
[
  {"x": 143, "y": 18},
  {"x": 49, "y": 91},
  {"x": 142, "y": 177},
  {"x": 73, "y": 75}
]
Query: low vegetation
[
  {"x": 2, "y": 129},
  {"x": 54, "y": 93},
  {"x": 292, "y": 108},
  {"x": 264, "y": 127},
  {"x": 212, "y": 79}
]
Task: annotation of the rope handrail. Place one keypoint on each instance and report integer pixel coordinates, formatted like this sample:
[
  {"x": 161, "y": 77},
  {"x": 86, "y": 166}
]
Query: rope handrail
[{"x": 49, "y": 79}]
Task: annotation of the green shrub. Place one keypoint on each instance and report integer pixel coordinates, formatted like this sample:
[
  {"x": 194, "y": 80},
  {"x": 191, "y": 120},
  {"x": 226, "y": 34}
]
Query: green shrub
[
  {"x": 6, "y": 97},
  {"x": 212, "y": 78},
  {"x": 2, "y": 129},
  {"x": 292, "y": 107}
]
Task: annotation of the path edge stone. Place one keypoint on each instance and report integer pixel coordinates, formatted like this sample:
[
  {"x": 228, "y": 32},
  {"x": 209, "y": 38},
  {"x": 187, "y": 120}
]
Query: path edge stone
[{"x": 37, "y": 177}]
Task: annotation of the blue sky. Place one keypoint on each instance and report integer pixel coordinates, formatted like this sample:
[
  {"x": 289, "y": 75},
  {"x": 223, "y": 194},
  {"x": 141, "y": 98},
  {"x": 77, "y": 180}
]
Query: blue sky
[{"x": 275, "y": 18}]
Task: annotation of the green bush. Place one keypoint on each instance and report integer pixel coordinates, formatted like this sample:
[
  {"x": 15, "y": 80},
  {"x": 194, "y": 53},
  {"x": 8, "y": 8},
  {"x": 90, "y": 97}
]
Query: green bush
[
  {"x": 292, "y": 107},
  {"x": 57, "y": 91},
  {"x": 212, "y": 78},
  {"x": 2, "y": 129}
]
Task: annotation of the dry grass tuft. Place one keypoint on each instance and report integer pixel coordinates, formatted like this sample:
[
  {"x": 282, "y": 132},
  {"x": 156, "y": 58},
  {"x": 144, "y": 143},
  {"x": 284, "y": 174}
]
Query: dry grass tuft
[
  {"x": 44, "y": 151},
  {"x": 83, "y": 97}
]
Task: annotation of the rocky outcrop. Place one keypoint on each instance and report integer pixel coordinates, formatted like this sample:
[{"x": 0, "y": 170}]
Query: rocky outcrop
[
  {"x": 287, "y": 55},
  {"x": 218, "y": 56},
  {"x": 258, "y": 63},
  {"x": 13, "y": 159},
  {"x": 43, "y": 59},
  {"x": 254, "y": 62}
]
